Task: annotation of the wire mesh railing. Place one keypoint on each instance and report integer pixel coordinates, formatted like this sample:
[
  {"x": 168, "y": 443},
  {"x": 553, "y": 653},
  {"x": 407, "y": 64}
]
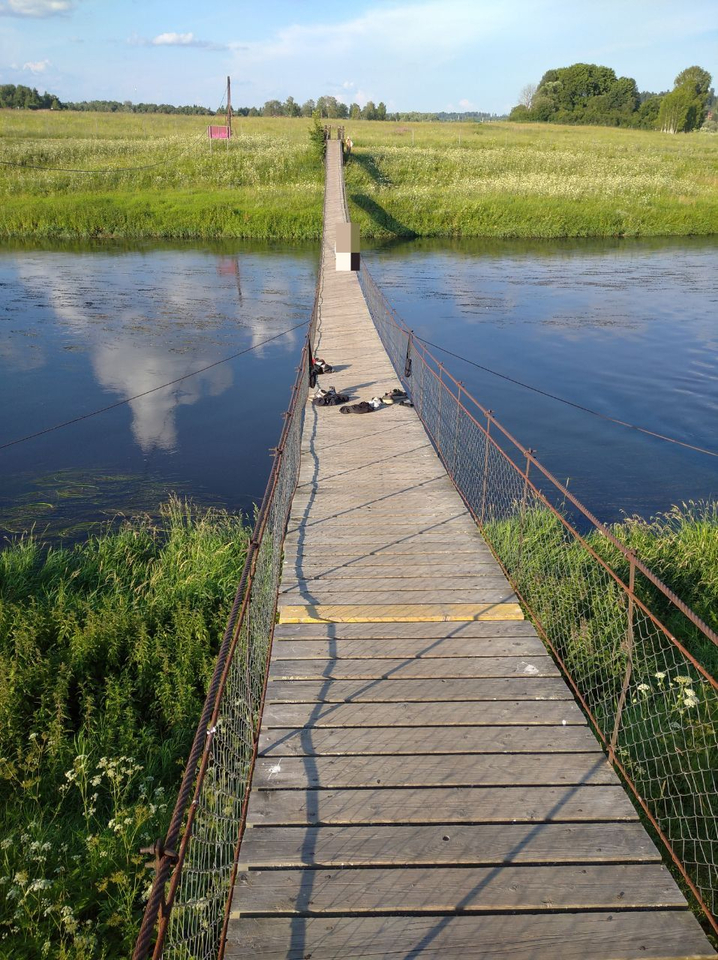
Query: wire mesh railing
[
  {"x": 647, "y": 689},
  {"x": 188, "y": 907},
  {"x": 194, "y": 866}
]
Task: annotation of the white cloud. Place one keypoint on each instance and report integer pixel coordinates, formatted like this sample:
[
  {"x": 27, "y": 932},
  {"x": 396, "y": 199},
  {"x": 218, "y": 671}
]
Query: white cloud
[
  {"x": 35, "y": 8},
  {"x": 172, "y": 39},
  {"x": 436, "y": 27},
  {"x": 466, "y": 104},
  {"x": 36, "y": 66}
]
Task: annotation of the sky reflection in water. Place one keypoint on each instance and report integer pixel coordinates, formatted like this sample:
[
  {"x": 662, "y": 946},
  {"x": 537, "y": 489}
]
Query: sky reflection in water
[{"x": 625, "y": 327}]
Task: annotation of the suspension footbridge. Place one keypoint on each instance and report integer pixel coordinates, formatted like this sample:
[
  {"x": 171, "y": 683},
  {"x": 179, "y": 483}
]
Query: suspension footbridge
[{"x": 394, "y": 760}]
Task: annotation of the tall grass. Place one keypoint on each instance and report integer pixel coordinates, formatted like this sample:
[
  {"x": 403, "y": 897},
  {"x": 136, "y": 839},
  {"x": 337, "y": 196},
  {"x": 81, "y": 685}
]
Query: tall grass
[
  {"x": 404, "y": 179},
  {"x": 667, "y": 732},
  {"x": 506, "y": 180},
  {"x": 105, "y": 652}
]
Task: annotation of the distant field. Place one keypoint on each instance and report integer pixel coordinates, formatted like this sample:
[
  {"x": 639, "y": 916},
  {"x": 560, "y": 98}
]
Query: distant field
[{"x": 455, "y": 179}]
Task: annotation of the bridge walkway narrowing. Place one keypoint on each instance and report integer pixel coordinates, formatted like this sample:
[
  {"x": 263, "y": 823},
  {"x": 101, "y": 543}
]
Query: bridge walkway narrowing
[{"x": 426, "y": 784}]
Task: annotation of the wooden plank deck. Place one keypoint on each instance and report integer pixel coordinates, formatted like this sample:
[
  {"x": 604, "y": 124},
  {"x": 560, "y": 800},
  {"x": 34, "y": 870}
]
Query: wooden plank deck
[{"x": 426, "y": 785}]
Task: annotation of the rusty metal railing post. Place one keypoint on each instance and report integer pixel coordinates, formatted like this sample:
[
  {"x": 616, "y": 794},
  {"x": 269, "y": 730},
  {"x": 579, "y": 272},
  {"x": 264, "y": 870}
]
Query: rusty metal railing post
[
  {"x": 522, "y": 519},
  {"x": 407, "y": 359},
  {"x": 438, "y": 418},
  {"x": 456, "y": 428},
  {"x": 486, "y": 465},
  {"x": 627, "y": 646}
]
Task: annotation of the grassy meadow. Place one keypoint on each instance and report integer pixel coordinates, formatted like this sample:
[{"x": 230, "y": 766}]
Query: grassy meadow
[
  {"x": 667, "y": 742},
  {"x": 106, "y": 649},
  {"x": 403, "y": 179}
]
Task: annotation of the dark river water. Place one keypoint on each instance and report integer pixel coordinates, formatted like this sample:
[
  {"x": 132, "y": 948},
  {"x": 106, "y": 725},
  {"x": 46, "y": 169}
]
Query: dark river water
[{"x": 628, "y": 328}]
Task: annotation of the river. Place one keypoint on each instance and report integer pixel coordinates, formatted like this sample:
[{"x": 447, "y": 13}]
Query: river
[{"x": 627, "y": 328}]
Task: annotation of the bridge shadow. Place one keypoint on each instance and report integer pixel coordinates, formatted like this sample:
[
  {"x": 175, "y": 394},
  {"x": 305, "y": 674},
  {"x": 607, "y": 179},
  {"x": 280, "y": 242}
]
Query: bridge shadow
[
  {"x": 372, "y": 169},
  {"x": 381, "y": 217}
]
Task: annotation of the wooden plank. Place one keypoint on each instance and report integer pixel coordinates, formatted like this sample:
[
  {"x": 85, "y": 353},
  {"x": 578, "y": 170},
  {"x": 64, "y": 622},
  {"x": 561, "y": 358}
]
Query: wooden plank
[
  {"x": 318, "y": 594},
  {"x": 434, "y": 668},
  {"x": 368, "y": 631},
  {"x": 348, "y": 521},
  {"x": 442, "y": 889},
  {"x": 487, "y": 713},
  {"x": 355, "y": 741},
  {"x": 487, "y": 770},
  {"x": 386, "y": 691},
  {"x": 431, "y": 539},
  {"x": 474, "y": 845},
  {"x": 386, "y": 568},
  {"x": 402, "y": 649},
  {"x": 344, "y": 529},
  {"x": 394, "y": 579},
  {"x": 606, "y": 935},
  {"x": 415, "y": 549},
  {"x": 389, "y": 612},
  {"x": 439, "y": 805}
]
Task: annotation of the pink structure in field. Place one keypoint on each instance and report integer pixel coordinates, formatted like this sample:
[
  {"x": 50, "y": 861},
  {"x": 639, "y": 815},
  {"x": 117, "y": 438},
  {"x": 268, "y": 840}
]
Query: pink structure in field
[{"x": 218, "y": 133}]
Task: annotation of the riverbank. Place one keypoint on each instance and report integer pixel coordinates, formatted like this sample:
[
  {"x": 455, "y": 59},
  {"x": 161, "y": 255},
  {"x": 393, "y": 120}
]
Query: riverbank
[
  {"x": 141, "y": 177},
  {"x": 106, "y": 650}
]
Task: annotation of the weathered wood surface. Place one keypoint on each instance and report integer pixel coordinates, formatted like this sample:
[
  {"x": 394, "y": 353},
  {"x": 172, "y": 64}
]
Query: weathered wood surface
[
  {"x": 484, "y": 844},
  {"x": 476, "y": 889},
  {"x": 439, "y": 805},
  {"x": 354, "y": 741},
  {"x": 435, "y": 668},
  {"x": 458, "y": 713},
  {"x": 452, "y": 770},
  {"x": 391, "y": 689},
  {"x": 426, "y": 786},
  {"x": 668, "y": 935}
]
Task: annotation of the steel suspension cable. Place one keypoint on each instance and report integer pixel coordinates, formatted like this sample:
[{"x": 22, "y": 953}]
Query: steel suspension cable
[
  {"x": 570, "y": 403},
  {"x": 137, "y": 396}
]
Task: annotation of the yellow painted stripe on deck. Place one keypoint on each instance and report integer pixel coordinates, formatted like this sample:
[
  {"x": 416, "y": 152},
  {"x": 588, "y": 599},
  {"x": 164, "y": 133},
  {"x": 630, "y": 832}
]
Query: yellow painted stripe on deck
[{"x": 399, "y": 612}]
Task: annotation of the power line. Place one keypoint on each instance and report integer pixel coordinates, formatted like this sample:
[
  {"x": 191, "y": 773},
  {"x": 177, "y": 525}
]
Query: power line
[
  {"x": 145, "y": 393},
  {"x": 570, "y": 403}
]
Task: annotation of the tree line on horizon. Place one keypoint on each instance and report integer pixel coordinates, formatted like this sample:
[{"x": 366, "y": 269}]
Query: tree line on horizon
[
  {"x": 586, "y": 93},
  {"x": 27, "y": 98}
]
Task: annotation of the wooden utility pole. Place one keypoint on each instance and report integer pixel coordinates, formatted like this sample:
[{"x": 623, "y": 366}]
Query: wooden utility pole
[{"x": 229, "y": 109}]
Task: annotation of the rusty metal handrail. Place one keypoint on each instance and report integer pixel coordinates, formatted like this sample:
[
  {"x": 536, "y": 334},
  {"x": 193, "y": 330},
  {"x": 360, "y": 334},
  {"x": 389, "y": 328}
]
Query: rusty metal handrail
[
  {"x": 416, "y": 344},
  {"x": 169, "y": 857},
  {"x": 503, "y": 459}
]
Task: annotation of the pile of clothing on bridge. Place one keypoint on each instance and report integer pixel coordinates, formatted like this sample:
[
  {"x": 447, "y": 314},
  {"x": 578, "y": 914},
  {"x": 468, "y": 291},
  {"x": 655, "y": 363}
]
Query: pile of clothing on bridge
[{"x": 330, "y": 398}]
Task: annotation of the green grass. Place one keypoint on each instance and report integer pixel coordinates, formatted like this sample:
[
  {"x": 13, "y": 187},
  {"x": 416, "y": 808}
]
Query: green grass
[
  {"x": 667, "y": 739},
  {"x": 105, "y": 653},
  {"x": 404, "y": 179}
]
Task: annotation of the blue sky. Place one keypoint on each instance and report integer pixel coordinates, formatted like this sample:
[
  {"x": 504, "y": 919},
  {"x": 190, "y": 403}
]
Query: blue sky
[{"x": 414, "y": 55}]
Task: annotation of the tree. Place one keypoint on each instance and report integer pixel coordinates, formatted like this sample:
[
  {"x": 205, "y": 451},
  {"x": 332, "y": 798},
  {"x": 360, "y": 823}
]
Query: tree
[
  {"x": 369, "y": 111},
  {"x": 527, "y": 94},
  {"x": 308, "y": 108},
  {"x": 698, "y": 79},
  {"x": 272, "y": 108},
  {"x": 329, "y": 107},
  {"x": 291, "y": 108},
  {"x": 355, "y": 111},
  {"x": 316, "y": 135},
  {"x": 649, "y": 110},
  {"x": 684, "y": 108},
  {"x": 678, "y": 112},
  {"x": 381, "y": 111}
]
